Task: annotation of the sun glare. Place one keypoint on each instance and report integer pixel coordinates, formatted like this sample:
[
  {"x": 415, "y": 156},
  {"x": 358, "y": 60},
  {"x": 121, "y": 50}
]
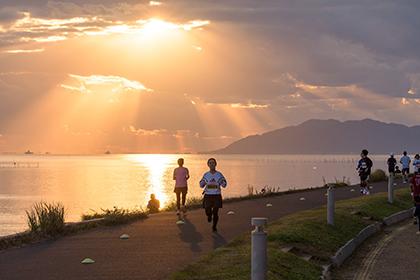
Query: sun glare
[
  {"x": 157, "y": 165},
  {"x": 156, "y": 27}
]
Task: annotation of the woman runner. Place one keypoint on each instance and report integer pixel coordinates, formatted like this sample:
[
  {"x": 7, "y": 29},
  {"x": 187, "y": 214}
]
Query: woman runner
[
  {"x": 181, "y": 176},
  {"x": 212, "y": 182}
]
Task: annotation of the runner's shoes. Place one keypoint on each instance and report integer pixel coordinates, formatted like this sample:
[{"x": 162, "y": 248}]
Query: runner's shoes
[{"x": 364, "y": 191}]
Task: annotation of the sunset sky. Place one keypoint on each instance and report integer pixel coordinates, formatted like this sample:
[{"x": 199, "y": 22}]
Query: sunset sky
[{"x": 184, "y": 76}]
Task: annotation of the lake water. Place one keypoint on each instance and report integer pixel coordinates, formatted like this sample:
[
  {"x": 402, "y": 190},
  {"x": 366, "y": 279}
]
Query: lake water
[{"x": 83, "y": 183}]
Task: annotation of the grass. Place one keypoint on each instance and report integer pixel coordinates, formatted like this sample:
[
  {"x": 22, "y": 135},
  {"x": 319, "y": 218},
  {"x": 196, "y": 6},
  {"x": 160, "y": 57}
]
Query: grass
[
  {"x": 307, "y": 232},
  {"x": 46, "y": 221},
  {"x": 46, "y": 218},
  {"x": 378, "y": 176},
  {"x": 254, "y": 193},
  {"x": 345, "y": 182},
  {"x": 116, "y": 215}
]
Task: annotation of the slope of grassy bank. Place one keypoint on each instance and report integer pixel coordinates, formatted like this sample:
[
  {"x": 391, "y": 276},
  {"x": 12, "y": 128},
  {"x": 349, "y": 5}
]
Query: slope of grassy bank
[{"x": 307, "y": 232}]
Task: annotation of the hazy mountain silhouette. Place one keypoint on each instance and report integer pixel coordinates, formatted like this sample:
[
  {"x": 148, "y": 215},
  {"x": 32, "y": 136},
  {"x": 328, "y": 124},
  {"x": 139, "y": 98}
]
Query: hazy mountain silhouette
[{"x": 331, "y": 137}]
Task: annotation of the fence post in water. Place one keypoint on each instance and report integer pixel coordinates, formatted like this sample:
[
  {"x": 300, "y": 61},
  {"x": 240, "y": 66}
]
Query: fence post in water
[
  {"x": 259, "y": 249},
  {"x": 391, "y": 188},
  {"x": 330, "y": 205}
]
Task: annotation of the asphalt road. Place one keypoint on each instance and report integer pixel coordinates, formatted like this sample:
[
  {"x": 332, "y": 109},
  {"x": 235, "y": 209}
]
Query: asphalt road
[{"x": 157, "y": 246}]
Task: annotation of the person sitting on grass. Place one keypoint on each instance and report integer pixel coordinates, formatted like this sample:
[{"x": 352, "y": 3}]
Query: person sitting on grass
[
  {"x": 397, "y": 170},
  {"x": 154, "y": 204},
  {"x": 415, "y": 190}
]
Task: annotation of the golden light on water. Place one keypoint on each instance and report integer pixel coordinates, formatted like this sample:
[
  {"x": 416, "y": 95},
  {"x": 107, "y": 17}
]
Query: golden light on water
[{"x": 157, "y": 165}]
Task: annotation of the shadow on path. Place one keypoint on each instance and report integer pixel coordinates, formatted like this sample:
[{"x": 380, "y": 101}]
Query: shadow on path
[
  {"x": 189, "y": 234},
  {"x": 218, "y": 240}
]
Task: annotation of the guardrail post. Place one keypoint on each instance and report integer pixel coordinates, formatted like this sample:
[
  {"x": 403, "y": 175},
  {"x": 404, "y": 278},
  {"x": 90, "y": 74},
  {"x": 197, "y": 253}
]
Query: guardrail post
[
  {"x": 330, "y": 205},
  {"x": 259, "y": 249},
  {"x": 391, "y": 188}
]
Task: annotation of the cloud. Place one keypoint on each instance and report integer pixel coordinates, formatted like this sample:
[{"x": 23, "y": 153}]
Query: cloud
[
  {"x": 145, "y": 132},
  {"x": 280, "y": 62},
  {"x": 43, "y": 30},
  {"x": 116, "y": 84},
  {"x": 24, "y": 51},
  {"x": 249, "y": 106},
  {"x": 155, "y": 3}
]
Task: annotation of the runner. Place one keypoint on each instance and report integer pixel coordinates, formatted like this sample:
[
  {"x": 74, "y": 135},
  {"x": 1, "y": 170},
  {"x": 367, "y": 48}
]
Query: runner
[
  {"x": 415, "y": 190},
  {"x": 181, "y": 176},
  {"x": 211, "y": 182},
  {"x": 364, "y": 167},
  {"x": 405, "y": 162},
  {"x": 392, "y": 162},
  {"x": 416, "y": 163}
]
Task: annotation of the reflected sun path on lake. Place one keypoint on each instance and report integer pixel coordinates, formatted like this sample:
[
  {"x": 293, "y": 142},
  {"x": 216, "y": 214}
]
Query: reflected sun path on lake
[{"x": 157, "y": 165}]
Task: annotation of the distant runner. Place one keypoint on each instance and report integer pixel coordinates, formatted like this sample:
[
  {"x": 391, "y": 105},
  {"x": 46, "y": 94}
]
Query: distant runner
[
  {"x": 416, "y": 163},
  {"x": 405, "y": 162},
  {"x": 392, "y": 162},
  {"x": 212, "y": 182},
  {"x": 181, "y": 176},
  {"x": 364, "y": 167}
]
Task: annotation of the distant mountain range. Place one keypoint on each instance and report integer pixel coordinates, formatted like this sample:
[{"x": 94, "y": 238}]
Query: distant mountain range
[{"x": 331, "y": 137}]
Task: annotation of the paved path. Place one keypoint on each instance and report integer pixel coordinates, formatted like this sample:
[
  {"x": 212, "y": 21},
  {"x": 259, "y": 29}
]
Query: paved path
[
  {"x": 395, "y": 256},
  {"x": 157, "y": 246}
]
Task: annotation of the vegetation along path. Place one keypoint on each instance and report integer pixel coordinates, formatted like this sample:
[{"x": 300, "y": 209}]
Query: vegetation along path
[{"x": 157, "y": 246}]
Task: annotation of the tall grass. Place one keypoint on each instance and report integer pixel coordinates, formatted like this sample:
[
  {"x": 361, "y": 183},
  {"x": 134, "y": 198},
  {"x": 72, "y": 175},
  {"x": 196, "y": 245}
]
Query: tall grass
[
  {"x": 191, "y": 203},
  {"x": 46, "y": 218},
  {"x": 345, "y": 182},
  {"x": 116, "y": 215},
  {"x": 378, "y": 176}
]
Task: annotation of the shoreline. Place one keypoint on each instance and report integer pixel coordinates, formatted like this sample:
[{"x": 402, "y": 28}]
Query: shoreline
[
  {"x": 150, "y": 238},
  {"x": 27, "y": 237}
]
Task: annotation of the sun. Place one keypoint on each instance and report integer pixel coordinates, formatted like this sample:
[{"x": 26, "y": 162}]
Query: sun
[{"x": 155, "y": 27}]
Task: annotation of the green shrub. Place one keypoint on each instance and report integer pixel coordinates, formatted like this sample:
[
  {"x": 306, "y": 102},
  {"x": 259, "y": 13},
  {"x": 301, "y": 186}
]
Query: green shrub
[
  {"x": 46, "y": 218},
  {"x": 378, "y": 176},
  {"x": 191, "y": 203},
  {"x": 116, "y": 215}
]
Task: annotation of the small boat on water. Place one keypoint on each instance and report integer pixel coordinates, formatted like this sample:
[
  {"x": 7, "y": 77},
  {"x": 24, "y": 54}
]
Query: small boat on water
[
  {"x": 107, "y": 152},
  {"x": 29, "y": 152}
]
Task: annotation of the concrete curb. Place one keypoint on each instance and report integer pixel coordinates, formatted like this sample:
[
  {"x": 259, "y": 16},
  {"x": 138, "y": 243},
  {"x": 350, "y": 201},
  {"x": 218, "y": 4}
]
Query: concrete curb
[
  {"x": 344, "y": 252},
  {"x": 398, "y": 217},
  {"x": 348, "y": 249}
]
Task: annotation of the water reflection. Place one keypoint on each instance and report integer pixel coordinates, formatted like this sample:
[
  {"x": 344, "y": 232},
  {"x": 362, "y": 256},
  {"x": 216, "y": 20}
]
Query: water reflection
[
  {"x": 99, "y": 182},
  {"x": 158, "y": 170}
]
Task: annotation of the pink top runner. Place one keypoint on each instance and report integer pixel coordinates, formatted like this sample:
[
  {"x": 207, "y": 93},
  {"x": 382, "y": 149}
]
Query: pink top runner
[{"x": 181, "y": 175}]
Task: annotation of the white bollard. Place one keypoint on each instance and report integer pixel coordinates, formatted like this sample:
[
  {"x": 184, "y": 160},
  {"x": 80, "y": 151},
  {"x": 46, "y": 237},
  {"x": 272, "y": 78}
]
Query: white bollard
[
  {"x": 330, "y": 206},
  {"x": 259, "y": 249},
  {"x": 391, "y": 188}
]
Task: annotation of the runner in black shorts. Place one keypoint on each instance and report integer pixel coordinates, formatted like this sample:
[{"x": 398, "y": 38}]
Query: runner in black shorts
[
  {"x": 364, "y": 167},
  {"x": 212, "y": 182}
]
